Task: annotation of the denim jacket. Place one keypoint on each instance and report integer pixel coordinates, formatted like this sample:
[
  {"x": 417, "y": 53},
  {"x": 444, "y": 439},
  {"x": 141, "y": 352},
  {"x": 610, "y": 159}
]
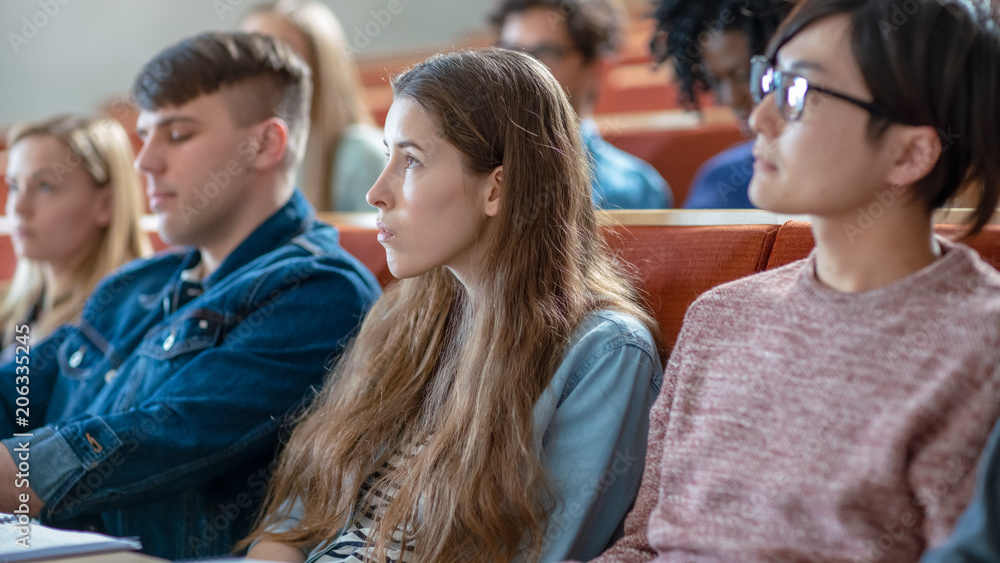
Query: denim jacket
[
  {"x": 591, "y": 425},
  {"x": 158, "y": 415}
]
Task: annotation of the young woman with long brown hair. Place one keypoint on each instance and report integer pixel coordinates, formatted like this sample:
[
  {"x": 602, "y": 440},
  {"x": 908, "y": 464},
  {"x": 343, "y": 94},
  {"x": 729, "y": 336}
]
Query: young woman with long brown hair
[{"x": 494, "y": 402}]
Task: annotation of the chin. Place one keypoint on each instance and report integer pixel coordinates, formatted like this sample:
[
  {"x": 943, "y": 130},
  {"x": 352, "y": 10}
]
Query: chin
[
  {"x": 763, "y": 198},
  {"x": 400, "y": 271}
]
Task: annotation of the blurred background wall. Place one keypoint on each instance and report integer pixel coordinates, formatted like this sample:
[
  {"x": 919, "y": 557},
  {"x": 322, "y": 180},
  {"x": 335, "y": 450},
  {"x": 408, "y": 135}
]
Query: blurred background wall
[{"x": 73, "y": 55}]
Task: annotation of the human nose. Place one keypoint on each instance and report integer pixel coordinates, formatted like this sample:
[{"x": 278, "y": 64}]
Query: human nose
[
  {"x": 380, "y": 195},
  {"x": 17, "y": 203},
  {"x": 149, "y": 161},
  {"x": 765, "y": 119}
]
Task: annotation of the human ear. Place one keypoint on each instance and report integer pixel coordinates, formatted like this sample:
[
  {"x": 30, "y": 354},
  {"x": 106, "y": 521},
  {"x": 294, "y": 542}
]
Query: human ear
[
  {"x": 919, "y": 154},
  {"x": 103, "y": 206},
  {"x": 493, "y": 189},
  {"x": 271, "y": 144}
]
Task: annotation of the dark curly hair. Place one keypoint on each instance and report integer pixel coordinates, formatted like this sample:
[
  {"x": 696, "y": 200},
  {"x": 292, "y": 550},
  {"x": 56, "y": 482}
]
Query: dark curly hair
[{"x": 684, "y": 26}]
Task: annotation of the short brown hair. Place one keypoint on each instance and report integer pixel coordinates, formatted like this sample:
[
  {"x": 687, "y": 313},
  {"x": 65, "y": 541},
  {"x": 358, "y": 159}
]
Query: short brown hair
[
  {"x": 594, "y": 25},
  {"x": 277, "y": 82}
]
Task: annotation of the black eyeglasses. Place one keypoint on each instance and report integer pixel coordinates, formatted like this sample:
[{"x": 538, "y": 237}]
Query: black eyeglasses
[{"x": 791, "y": 90}]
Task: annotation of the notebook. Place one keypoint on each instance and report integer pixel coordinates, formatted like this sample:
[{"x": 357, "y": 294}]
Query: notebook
[{"x": 35, "y": 541}]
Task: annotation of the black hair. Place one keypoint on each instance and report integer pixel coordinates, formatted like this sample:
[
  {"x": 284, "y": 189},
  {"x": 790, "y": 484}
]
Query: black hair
[
  {"x": 930, "y": 63},
  {"x": 683, "y": 27}
]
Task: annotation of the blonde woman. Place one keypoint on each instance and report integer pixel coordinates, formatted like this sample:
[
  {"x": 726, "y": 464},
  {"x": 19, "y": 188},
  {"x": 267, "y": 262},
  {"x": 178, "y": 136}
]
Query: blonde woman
[
  {"x": 74, "y": 203},
  {"x": 493, "y": 404},
  {"x": 344, "y": 154}
]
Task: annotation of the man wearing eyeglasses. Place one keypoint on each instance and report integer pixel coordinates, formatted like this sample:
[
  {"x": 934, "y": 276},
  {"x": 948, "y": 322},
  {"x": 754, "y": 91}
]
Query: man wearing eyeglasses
[{"x": 576, "y": 39}]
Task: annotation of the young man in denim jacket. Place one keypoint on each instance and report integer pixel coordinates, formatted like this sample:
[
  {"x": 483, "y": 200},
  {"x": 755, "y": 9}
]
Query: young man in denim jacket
[{"x": 158, "y": 415}]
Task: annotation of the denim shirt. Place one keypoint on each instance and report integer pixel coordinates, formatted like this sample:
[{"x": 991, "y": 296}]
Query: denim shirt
[
  {"x": 620, "y": 180},
  {"x": 158, "y": 415},
  {"x": 591, "y": 425},
  {"x": 976, "y": 538}
]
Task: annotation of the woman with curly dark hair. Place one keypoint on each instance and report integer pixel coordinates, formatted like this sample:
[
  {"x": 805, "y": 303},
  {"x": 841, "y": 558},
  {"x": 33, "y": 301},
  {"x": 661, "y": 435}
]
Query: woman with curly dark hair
[{"x": 709, "y": 43}]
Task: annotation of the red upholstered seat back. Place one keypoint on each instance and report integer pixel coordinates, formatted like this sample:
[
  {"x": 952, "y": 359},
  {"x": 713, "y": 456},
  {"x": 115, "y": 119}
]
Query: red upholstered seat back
[
  {"x": 674, "y": 265},
  {"x": 795, "y": 242},
  {"x": 671, "y": 265}
]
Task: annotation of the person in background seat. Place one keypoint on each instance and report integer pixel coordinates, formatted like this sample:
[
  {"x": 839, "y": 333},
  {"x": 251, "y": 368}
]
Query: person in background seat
[
  {"x": 344, "y": 153},
  {"x": 710, "y": 43},
  {"x": 75, "y": 202},
  {"x": 578, "y": 40}
]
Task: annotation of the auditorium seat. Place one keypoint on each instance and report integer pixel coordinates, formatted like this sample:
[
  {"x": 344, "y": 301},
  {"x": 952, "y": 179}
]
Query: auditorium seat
[
  {"x": 795, "y": 242},
  {"x": 676, "y": 153},
  {"x": 8, "y": 260},
  {"x": 674, "y": 265},
  {"x": 673, "y": 256}
]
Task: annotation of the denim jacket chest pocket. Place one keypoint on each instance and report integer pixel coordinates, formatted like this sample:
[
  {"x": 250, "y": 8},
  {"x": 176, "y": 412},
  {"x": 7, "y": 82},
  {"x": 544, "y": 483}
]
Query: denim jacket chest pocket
[
  {"x": 78, "y": 356},
  {"x": 168, "y": 349},
  {"x": 82, "y": 364}
]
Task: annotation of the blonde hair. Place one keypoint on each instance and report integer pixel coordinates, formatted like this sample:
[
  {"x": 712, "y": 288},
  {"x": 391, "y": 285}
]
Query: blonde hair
[
  {"x": 459, "y": 379},
  {"x": 337, "y": 100},
  {"x": 105, "y": 152}
]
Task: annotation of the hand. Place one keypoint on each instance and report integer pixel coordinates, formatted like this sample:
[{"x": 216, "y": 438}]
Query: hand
[{"x": 16, "y": 494}]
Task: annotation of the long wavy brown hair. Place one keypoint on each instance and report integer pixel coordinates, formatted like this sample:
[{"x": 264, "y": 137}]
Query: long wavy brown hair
[{"x": 455, "y": 379}]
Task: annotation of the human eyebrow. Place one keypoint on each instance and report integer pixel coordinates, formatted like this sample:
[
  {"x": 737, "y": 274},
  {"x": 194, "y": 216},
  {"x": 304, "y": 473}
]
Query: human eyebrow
[
  {"x": 41, "y": 173},
  {"x": 405, "y": 144},
  {"x": 801, "y": 65},
  {"x": 141, "y": 132}
]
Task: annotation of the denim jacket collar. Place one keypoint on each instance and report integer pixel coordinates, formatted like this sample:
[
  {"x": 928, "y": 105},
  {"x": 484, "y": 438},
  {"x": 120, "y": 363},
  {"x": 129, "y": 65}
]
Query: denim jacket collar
[{"x": 288, "y": 222}]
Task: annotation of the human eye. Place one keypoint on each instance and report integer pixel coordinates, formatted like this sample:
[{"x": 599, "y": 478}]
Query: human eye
[
  {"x": 46, "y": 187},
  {"x": 178, "y": 136},
  {"x": 411, "y": 161}
]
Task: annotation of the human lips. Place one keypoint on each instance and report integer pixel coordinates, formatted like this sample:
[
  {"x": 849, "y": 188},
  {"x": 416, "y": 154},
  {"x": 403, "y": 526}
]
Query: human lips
[
  {"x": 761, "y": 162},
  {"x": 158, "y": 199},
  {"x": 384, "y": 234}
]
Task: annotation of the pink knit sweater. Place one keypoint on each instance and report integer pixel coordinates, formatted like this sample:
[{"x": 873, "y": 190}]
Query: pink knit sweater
[{"x": 798, "y": 423}]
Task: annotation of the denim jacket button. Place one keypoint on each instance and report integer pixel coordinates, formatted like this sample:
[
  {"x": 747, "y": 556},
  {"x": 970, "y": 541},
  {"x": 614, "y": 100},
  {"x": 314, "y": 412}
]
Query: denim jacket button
[
  {"x": 110, "y": 375},
  {"x": 77, "y": 357},
  {"x": 169, "y": 342}
]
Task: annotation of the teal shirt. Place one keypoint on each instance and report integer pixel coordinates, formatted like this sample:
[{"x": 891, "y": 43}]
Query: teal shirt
[
  {"x": 619, "y": 180},
  {"x": 591, "y": 425}
]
